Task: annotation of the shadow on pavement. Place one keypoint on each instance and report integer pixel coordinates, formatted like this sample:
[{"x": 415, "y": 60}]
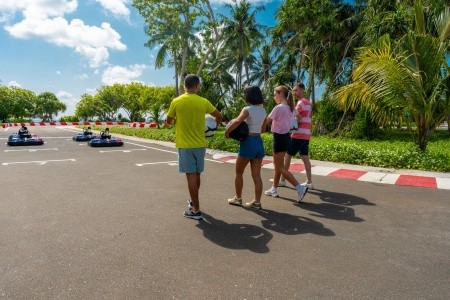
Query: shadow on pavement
[
  {"x": 336, "y": 208},
  {"x": 339, "y": 198},
  {"x": 290, "y": 224},
  {"x": 333, "y": 197},
  {"x": 330, "y": 211},
  {"x": 235, "y": 236}
]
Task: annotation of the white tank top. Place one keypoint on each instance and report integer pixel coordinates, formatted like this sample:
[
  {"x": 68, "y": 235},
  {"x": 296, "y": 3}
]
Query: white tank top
[{"x": 256, "y": 116}]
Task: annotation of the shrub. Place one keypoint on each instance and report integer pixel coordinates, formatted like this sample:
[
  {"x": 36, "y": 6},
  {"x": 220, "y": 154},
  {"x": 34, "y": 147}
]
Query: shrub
[
  {"x": 390, "y": 149},
  {"x": 362, "y": 127}
]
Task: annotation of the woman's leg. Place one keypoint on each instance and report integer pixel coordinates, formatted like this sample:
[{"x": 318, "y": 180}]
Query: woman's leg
[
  {"x": 278, "y": 159},
  {"x": 255, "y": 165},
  {"x": 278, "y": 162},
  {"x": 241, "y": 163}
]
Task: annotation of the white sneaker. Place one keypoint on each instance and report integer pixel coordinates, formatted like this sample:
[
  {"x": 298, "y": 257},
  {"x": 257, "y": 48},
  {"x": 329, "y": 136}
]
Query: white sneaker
[
  {"x": 310, "y": 186},
  {"x": 301, "y": 192},
  {"x": 280, "y": 183},
  {"x": 271, "y": 192}
]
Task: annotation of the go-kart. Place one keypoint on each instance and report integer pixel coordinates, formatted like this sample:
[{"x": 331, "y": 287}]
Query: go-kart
[
  {"x": 84, "y": 136},
  {"x": 26, "y": 139},
  {"x": 105, "y": 140}
]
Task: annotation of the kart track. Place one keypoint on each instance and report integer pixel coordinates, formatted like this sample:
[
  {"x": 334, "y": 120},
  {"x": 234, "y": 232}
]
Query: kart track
[{"x": 106, "y": 223}]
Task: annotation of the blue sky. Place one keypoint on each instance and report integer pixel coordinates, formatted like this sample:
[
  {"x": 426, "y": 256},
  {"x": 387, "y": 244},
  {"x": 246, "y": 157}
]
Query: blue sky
[{"x": 72, "y": 47}]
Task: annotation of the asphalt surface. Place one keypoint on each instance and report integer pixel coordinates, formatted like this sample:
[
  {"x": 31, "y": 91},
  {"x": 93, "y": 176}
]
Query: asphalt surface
[{"x": 106, "y": 223}]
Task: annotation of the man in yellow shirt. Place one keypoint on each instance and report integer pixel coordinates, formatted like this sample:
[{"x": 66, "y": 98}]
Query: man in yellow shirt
[{"x": 189, "y": 112}]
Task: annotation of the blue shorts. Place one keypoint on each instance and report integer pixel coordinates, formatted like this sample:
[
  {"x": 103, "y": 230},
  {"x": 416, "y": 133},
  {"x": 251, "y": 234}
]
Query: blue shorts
[
  {"x": 281, "y": 142},
  {"x": 298, "y": 146},
  {"x": 251, "y": 147},
  {"x": 191, "y": 160}
]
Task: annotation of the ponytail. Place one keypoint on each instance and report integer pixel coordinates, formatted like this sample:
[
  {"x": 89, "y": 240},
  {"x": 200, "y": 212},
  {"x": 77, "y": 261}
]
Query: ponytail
[
  {"x": 290, "y": 100},
  {"x": 288, "y": 95}
]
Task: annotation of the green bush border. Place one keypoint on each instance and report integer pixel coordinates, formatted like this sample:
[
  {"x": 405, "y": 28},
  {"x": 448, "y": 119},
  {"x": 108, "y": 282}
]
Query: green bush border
[{"x": 393, "y": 151}]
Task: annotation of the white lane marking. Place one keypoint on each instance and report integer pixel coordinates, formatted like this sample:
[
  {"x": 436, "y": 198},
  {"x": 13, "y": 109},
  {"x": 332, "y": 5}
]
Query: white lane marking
[
  {"x": 39, "y": 162},
  {"x": 55, "y": 137},
  {"x": 148, "y": 147},
  {"x": 170, "y": 163},
  {"x": 31, "y": 150},
  {"x": 174, "y": 152},
  {"x": 124, "y": 151},
  {"x": 70, "y": 129}
]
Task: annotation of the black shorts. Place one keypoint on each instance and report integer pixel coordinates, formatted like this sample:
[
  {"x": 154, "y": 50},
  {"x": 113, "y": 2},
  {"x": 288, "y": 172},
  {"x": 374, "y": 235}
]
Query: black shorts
[
  {"x": 298, "y": 146},
  {"x": 281, "y": 142}
]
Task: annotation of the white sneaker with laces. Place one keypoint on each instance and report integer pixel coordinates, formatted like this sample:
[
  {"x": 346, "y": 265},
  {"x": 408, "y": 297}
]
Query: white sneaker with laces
[
  {"x": 271, "y": 192},
  {"x": 301, "y": 192},
  {"x": 310, "y": 186},
  {"x": 281, "y": 183}
]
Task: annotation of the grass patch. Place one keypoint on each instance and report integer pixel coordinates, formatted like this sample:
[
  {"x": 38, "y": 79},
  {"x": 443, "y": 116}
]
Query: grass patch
[{"x": 390, "y": 149}]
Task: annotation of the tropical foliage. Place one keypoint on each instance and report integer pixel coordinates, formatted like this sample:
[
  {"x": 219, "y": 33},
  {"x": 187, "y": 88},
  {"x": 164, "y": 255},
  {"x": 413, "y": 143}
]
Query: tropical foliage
[
  {"x": 20, "y": 104},
  {"x": 406, "y": 78},
  {"x": 139, "y": 101},
  {"x": 383, "y": 63}
]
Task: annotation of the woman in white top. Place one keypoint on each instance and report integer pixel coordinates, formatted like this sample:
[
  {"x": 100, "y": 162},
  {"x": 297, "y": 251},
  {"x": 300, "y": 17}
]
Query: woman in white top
[{"x": 251, "y": 149}]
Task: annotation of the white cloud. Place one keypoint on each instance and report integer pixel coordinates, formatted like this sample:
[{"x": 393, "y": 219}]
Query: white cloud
[
  {"x": 117, "y": 7},
  {"x": 43, "y": 20},
  {"x": 68, "y": 99},
  {"x": 64, "y": 95},
  {"x": 91, "y": 91},
  {"x": 14, "y": 83},
  {"x": 83, "y": 76},
  {"x": 39, "y": 8},
  {"x": 123, "y": 75}
]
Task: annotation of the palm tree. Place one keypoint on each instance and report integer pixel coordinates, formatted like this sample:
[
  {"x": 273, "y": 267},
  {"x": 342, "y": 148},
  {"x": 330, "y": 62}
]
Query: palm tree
[
  {"x": 309, "y": 28},
  {"x": 263, "y": 70},
  {"x": 410, "y": 75},
  {"x": 172, "y": 25},
  {"x": 241, "y": 35}
]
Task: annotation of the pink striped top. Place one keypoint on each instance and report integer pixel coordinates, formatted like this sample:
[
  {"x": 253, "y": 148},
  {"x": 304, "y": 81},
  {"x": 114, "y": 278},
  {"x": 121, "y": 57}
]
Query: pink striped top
[{"x": 304, "y": 126}]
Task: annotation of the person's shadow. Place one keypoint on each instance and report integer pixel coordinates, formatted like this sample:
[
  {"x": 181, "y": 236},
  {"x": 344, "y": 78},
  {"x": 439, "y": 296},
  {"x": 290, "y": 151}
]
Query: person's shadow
[
  {"x": 336, "y": 206},
  {"x": 290, "y": 224},
  {"x": 235, "y": 236},
  {"x": 331, "y": 211},
  {"x": 340, "y": 198}
]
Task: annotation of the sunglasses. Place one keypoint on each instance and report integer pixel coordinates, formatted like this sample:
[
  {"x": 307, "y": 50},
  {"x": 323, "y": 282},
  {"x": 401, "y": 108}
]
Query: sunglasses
[{"x": 277, "y": 91}]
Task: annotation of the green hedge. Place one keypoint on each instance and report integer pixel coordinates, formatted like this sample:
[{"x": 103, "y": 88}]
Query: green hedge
[{"x": 392, "y": 151}]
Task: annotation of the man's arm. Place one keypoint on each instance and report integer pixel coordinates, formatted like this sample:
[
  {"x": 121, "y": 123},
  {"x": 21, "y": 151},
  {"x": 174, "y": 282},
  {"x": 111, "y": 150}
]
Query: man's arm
[
  {"x": 169, "y": 120},
  {"x": 218, "y": 116}
]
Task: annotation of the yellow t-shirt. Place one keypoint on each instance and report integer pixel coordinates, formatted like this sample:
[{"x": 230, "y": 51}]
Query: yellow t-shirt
[{"x": 189, "y": 111}]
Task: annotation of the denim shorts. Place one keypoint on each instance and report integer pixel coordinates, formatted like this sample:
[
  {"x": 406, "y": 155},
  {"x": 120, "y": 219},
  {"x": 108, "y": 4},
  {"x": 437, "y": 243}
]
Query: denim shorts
[
  {"x": 281, "y": 142},
  {"x": 191, "y": 160},
  {"x": 251, "y": 147},
  {"x": 298, "y": 146}
]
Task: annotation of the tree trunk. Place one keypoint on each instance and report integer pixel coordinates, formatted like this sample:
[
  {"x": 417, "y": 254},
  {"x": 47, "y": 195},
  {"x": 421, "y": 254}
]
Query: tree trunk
[
  {"x": 247, "y": 76},
  {"x": 312, "y": 95},
  {"x": 216, "y": 39},
  {"x": 448, "y": 123},
  {"x": 422, "y": 133},
  {"x": 177, "y": 88}
]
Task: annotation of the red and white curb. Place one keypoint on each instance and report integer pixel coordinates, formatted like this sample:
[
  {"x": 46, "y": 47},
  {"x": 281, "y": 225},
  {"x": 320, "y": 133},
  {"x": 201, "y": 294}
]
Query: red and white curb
[
  {"x": 359, "y": 175},
  {"x": 108, "y": 123}
]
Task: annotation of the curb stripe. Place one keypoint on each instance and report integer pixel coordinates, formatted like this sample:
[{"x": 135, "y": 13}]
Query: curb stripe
[
  {"x": 349, "y": 174},
  {"x": 376, "y": 177},
  {"x": 422, "y": 181},
  {"x": 443, "y": 183}
]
